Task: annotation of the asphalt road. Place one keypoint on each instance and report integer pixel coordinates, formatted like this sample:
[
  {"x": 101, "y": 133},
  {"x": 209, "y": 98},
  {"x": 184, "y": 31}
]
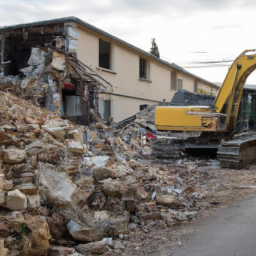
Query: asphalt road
[{"x": 231, "y": 232}]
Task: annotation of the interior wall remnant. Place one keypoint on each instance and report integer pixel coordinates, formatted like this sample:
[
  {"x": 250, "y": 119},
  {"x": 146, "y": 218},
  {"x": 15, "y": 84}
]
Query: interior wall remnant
[
  {"x": 41, "y": 66},
  {"x": 106, "y": 108}
]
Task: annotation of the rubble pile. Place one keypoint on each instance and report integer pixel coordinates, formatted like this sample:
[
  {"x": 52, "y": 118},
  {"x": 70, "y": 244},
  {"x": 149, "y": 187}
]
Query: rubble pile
[{"x": 71, "y": 189}]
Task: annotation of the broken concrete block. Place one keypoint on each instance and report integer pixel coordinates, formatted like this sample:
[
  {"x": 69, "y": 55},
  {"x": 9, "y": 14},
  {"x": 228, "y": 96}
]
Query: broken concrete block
[
  {"x": 76, "y": 135},
  {"x": 60, "y": 250},
  {"x": 32, "y": 127},
  {"x": 128, "y": 180},
  {"x": 102, "y": 173},
  {"x": 27, "y": 71},
  {"x": 33, "y": 200},
  {"x": 14, "y": 155},
  {"x": 118, "y": 226},
  {"x": 76, "y": 147},
  {"x": 1, "y": 182},
  {"x": 2, "y": 199},
  {"x": 141, "y": 194},
  {"x": 16, "y": 200},
  {"x": 60, "y": 187},
  {"x": 58, "y": 61},
  {"x": 58, "y": 133},
  {"x": 101, "y": 215},
  {"x": 57, "y": 224},
  {"x": 169, "y": 219},
  {"x": 15, "y": 216},
  {"x": 97, "y": 248},
  {"x": 3, "y": 251},
  {"x": 38, "y": 120},
  {"x": 82, "y": 232},
  {"x": 97, "y": 161},
  {"x": 38, "y": 70},
  {"x": 27, "y": 189},
  {"x": 40, "y": 233},
  {"x": 37, "y": 57},
  {"x": 166, "y": 200},
  {"x": 112, "y": 187}
]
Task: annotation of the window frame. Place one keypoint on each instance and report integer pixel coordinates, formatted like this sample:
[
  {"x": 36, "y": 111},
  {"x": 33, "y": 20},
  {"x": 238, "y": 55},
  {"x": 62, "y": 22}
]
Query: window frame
[
  {"x": 146, "y": 70},
  {"x": 173, "y": 82},
  {"x": 110, "y": 56},
  {"x": 178, "y": 84}
]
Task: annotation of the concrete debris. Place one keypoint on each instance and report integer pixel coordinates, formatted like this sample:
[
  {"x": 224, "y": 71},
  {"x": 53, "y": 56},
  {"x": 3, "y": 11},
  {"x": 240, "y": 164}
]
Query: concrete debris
[
  {"x": 16, "y": 200},
  {"x": 97, "y": 248},
  {"x": 82, "y": 232},
  {"x": 3, "y": 251},
  {"x": 14, "y": 155}
]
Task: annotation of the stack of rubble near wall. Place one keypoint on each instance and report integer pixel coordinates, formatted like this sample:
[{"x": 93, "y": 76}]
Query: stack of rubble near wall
[
  {"x": 49, "y": 69},
  {"x": 63, "y": 185}
]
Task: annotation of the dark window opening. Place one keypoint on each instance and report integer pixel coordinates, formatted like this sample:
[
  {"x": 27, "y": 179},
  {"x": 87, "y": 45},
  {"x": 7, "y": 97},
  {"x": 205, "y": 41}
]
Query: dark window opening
[
  {"x": 143, "y": 68},
  {"x": 195, "y": 86},
  {"x": 71, "y": 103},
  {"x": 143, "y": 106},
  {"x": 173, "y": 80},
  {"x": 104, "y": 54},
  {"x": 180, "y": 84},
  {"x": 105, "y": 108}
]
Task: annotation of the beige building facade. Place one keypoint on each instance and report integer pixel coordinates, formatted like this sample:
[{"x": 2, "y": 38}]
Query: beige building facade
[
  {"x": 137, "y": 78},
  {"x": 131, "y": 88}
]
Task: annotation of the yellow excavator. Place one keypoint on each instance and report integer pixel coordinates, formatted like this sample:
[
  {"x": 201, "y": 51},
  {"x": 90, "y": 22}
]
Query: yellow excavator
[{"x": 206, "y": 126}]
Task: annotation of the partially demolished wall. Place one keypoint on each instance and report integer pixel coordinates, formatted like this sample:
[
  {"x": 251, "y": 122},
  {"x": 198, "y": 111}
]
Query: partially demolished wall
[{"x": 39, "y": 64}]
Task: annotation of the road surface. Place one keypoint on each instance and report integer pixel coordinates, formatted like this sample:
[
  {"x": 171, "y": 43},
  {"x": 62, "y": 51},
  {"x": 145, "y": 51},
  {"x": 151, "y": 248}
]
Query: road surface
[{"x": 231, "y": 232}]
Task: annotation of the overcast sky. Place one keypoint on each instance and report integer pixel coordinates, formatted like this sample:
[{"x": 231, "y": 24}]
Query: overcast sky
[{"x": 186, "y": 31}]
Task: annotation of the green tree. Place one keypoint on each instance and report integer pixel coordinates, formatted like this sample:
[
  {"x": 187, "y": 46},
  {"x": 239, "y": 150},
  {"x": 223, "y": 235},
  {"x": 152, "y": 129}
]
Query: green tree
[{"x": 154, "y": 48}]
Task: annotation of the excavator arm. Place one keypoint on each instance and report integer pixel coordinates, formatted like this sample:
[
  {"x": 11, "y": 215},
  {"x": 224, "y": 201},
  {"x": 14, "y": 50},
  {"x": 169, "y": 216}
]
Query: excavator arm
[{"x": 222, "y": 116}]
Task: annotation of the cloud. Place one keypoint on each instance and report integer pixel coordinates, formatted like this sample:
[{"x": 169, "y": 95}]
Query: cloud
[{"x": 228, "y": 26}]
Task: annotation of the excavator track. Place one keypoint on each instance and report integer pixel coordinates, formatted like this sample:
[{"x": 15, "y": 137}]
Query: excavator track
[
  {"x": 239, "y": 152},
  {"x": 175, "y": 146}
]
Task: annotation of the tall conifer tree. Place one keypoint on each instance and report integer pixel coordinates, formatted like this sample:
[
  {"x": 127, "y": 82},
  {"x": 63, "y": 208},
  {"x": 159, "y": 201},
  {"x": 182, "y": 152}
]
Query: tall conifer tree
[{"x": 154, "y": 48}]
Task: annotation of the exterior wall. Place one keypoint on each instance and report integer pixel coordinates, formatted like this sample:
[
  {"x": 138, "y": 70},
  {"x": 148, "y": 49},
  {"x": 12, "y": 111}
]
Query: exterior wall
[
  {"x": 188, "y": 82},
  {"x": 126, "y": 107},
  {"x": 124, "y": 75}
]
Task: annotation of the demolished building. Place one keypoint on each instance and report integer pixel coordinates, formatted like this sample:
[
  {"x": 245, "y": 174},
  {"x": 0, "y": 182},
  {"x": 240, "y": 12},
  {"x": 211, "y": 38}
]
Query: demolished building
[{"x": 41, "y": 66}]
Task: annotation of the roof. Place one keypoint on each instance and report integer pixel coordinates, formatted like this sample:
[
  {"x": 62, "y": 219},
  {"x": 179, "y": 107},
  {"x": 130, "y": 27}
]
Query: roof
[{"x": 93, "y": 28}]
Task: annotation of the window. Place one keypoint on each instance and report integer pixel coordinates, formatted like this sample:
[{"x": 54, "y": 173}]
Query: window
[
  {"x": 180, "y": 84},
  {"x": 173, "y": 80},
  {"x": 144, "y": 69},
  {"x": 104, "y": 54},
  {"x": 195, "y": 86},
  {"x": 143, "y": 106},
  {"x": 106, "y": 108}
]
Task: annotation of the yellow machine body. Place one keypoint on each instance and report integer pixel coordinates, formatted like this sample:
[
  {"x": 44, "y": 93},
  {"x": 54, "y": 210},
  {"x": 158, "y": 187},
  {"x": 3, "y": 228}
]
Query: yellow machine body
[{"x": 219, "y": 117}]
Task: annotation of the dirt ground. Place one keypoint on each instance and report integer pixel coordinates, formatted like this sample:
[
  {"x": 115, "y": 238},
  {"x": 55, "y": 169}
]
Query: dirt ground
[{"x": 227, "y": 187}]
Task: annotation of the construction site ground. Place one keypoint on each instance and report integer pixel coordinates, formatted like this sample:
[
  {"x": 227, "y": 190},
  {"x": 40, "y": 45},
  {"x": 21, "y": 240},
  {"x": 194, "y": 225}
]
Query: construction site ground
[{"x": 230, "y": 186}]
